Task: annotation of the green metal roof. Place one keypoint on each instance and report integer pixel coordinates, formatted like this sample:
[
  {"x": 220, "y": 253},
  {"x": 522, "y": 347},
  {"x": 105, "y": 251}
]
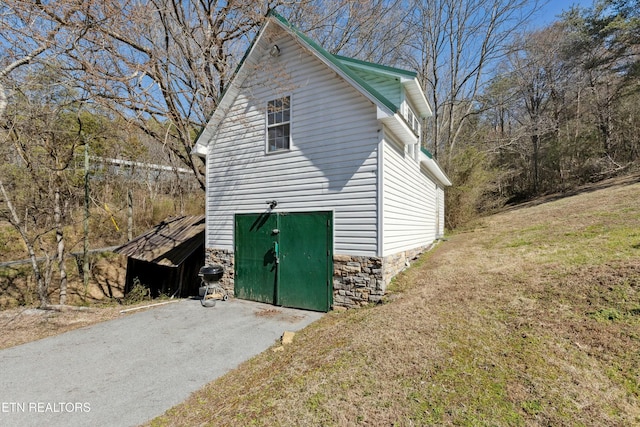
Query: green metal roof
[
  {"x": 337, "y": 62},
  {"x": 340, "y": 63},
  {"x": 426, "y": 152},
  {"x": 374, "y": 66}
]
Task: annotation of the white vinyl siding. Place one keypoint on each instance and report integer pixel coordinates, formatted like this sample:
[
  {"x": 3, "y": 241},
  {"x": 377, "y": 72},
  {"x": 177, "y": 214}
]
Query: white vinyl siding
[
  {"x": 409, "y": 201},
  {"x": 331, "y": 164}
]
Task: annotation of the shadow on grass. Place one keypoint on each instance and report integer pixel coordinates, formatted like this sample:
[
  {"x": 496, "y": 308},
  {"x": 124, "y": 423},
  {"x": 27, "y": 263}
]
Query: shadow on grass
[
  {"x": 583, "y": 189},
  {"x": 15, "y": 287},
  {"x": 106, "y": 283}
]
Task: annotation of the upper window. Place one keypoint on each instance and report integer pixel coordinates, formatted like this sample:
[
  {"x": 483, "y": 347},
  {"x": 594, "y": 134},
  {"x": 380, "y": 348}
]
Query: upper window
[
  {"x": 414, "y": 124},
  {"x": 279, "y": 124},
  {"x": 413, "y": 121}
]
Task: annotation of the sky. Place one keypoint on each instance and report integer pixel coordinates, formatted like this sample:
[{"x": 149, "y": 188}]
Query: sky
[{"x": 552, "y": 10}]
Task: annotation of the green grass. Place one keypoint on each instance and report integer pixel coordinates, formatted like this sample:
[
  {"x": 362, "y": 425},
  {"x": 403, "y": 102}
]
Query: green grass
[{"x": 529, "y": 318}]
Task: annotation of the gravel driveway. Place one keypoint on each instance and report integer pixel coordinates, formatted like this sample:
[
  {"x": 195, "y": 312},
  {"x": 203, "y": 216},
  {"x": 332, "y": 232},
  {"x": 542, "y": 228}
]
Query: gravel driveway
[{"x": 126, "y": 371}]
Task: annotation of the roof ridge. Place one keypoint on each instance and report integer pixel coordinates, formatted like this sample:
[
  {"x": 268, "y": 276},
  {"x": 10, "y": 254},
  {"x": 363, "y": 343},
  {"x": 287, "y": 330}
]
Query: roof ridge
[
  {"x": 382, "y": 67},
  {"x": 333, "y": 61}
]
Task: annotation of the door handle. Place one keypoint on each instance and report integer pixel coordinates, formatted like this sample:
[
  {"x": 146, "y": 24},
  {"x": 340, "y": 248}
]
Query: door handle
[{"x": 276, "y": 251}]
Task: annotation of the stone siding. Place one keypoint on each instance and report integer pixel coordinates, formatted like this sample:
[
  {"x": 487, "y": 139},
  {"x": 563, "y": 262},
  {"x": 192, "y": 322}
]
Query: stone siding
[
  {"x": 357, "y": 280},
  {"x": 225, "y": 259}
]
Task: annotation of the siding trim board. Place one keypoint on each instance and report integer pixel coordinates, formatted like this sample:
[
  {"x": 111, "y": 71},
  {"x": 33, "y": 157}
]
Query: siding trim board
[{"x": 380, "y": 183}]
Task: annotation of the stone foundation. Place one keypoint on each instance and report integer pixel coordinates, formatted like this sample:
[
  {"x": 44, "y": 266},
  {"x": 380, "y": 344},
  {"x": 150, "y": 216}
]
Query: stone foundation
[
  {"x": 357, "y": 280},
  {"x": 225, "y": 259}
]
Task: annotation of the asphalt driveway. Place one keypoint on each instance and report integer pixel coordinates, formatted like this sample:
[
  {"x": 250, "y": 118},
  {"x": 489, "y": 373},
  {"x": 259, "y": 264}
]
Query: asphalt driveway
[{"x": 126, "y": 371}]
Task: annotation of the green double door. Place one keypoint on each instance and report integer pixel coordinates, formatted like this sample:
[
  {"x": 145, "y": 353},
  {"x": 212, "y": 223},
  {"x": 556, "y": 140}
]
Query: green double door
[{"x": 285, "y": 259}]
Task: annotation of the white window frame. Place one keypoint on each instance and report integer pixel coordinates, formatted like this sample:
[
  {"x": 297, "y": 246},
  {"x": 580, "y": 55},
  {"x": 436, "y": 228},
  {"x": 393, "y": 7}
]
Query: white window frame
[
  {"x": 412, "y": 120},
  {"x": 273, "y": 121}
]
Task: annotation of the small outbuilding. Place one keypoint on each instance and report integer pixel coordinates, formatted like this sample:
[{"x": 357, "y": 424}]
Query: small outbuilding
[
  {"x": 319, "y": 185},
  {"x": 167, "y": 258}
]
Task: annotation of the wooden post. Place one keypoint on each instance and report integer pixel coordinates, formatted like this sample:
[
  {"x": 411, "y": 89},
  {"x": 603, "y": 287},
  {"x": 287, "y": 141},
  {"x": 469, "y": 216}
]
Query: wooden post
[{"x": 129, "y": 215}]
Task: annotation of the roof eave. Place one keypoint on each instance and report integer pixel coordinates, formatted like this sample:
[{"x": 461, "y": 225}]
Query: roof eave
[
  {"x": 415, "y": 92},
  {"x": 227, "y": 96},
  {"x": 335, "y": 64},
  {"x": 397, "y": 125},
  {"x": 200, "y": 149},
  {"x": 434, "y": 168}
]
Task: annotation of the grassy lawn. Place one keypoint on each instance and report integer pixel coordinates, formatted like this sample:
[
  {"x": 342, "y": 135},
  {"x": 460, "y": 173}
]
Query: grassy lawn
[{"x": 529, "y": 317}]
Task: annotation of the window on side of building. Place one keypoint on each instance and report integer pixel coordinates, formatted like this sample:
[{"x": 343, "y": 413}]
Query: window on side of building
[{"x": 279, "y": 124}]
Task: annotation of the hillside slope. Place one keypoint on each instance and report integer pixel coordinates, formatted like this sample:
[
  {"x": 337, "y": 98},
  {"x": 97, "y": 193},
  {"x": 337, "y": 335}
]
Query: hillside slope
[{"x": 532, "y": 317}]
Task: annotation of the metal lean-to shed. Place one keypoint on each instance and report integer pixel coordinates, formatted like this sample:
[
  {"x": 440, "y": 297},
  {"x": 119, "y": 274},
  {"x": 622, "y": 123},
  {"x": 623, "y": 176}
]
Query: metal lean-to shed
[{"x": 167, "y": 258}]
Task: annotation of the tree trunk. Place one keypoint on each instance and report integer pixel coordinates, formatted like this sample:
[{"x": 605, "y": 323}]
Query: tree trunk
[
  {"x": 3, "y": 100},
  {"x": 57, "y": 217},
  {"x": 41, "y": 284},
  {"x": 535, "y": 140},
  {"x": 43, "y": 291},
  {"x": 85, "y": 223},
  {"x": 129, "y": 215}
]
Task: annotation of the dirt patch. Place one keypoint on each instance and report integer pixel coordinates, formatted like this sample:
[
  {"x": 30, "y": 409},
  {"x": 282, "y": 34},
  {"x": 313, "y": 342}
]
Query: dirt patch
[
  {"x": 268, "y": 313},
  {"x": 583, "y": 189},
  {"x": 26, "y": 324},
  {"x": 21, "y": 325},
  {"x": 106, "y": 283},
  {"x": 274, "y": 313},
  {"x": 21, "y": 321}
]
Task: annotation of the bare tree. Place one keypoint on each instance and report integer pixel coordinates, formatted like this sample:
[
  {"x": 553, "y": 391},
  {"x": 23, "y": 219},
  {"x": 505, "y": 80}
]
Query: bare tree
[
  {"x": 457, "y": 46},
  {"x": 373, "y": 30},
  {"x": 160, "y": 64},
  {"x": 39, "y": 126},
  {"x": 26, "y": 36},
  {"x": 540, "y": 79},
  {"x": 163, "y": 64},
  {"x": 24, "y": 40},
  {"x": 605, "y": 46}
]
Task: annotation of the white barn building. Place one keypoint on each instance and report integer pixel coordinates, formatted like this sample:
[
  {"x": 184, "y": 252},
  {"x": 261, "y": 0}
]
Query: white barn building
[{"x": 318, "y": 190}]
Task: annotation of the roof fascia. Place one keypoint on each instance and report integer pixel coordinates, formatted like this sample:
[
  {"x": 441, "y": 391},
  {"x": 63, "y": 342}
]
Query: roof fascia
[
  {"x": 407, "y": 78},
  {"x": 434, "y": 168},
  {"x": 412, "y": 86},
  {"x": 224, "y": 100},
  {"x": 399, "y": 128},
  {"x": 336, "y": 65}
]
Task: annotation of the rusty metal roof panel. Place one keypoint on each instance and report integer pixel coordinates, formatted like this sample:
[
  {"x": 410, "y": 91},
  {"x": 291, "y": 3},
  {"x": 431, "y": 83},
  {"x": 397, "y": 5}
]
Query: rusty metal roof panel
[{"x": 168, "y": 243}]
